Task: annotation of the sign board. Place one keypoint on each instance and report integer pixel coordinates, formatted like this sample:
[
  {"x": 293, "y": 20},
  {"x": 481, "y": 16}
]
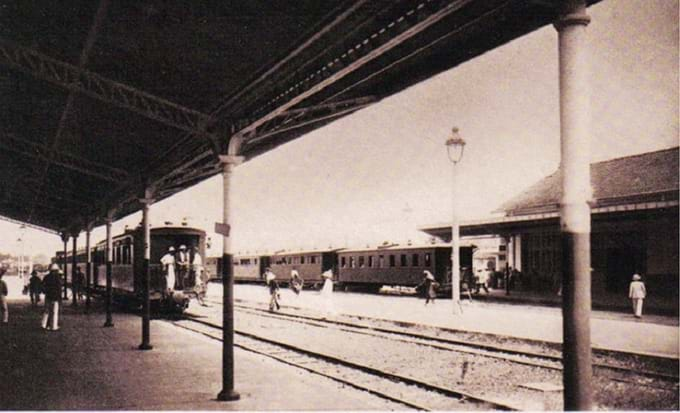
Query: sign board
[{"x": 222, "y": 229}]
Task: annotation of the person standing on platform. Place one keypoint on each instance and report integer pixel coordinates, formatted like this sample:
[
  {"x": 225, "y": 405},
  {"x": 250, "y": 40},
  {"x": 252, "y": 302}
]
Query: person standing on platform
[
  {"x": 199, "y": 284},
  {"x": 428, "y": 287},
  {"x": 270, "y": 279},
  {"x": 182, "y": 262},
  {"x": 296, "y": 283},
  {"x": 34, "y": 288},
  {"x": 3, "y": 299},
  {"x": 52, "y": 288},
  {"x": 78, "y": 283},
  {"x": 637, "y": 293}
]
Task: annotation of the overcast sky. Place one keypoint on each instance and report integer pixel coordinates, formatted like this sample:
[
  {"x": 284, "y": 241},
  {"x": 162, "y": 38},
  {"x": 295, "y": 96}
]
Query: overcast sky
[{"x": 380, "y": 173}]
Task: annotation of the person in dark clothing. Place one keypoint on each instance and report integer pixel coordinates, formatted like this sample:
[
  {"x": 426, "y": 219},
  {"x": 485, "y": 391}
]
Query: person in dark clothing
[
  {"x": 78, "y": 284},
  {"x": 34, "y": 288},
  {"x": 3, "y": 300},
  {"x": 52, "y": 288}
]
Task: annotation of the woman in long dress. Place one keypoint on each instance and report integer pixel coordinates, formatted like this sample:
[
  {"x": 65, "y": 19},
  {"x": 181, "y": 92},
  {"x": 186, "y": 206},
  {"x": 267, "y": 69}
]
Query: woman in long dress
[{"x": 327, "y": 293}]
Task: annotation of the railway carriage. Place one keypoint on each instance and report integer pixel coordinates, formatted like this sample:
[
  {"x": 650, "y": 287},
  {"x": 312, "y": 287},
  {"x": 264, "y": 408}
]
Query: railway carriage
[
  {"x": 128, "y": 261},
  {"x": 250, "y": 268},
  {"x": 309, "y": 264}
]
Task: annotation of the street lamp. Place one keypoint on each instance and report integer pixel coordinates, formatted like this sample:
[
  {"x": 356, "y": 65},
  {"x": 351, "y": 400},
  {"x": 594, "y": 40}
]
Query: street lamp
[{"x": 455, "y": 146}]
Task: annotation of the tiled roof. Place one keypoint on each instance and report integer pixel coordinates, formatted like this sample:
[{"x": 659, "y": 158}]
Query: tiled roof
[{"x": 614, "y": 181}]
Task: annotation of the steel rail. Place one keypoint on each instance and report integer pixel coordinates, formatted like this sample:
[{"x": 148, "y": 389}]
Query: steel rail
[
  {"x": 485, "y": 347},
  {"x": 497, "y": 405}
]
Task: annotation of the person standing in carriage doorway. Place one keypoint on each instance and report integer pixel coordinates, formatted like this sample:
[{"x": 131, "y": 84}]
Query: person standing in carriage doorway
[
  {"x": 197, "y": 269},
  {"x": 168, "y": 263},
  {"x": 182, "y": 262},
  {"x": 637, "y": 293},
  {"x": 296, "y": 283},
  {"x": 428, "y": 287},
  {"x": 52, "y": 288}
]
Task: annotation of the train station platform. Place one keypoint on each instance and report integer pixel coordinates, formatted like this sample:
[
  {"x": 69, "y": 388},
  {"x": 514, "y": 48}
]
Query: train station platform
[
  {"x": 84, "y": 366},
  {"x": 655, "y": 335}
]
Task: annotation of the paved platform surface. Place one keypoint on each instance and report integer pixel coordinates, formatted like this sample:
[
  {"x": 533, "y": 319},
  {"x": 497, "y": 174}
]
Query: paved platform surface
[
  {"x": 653, "y": 334},
  {"x": 84, "y": 366}
]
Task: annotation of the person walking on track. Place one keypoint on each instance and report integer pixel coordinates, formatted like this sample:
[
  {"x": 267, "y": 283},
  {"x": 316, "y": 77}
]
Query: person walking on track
[
  {"x": 52, "y": 288},
  {"x": 637, "y": 293},
  {"x": 428, "y": 287},
  {"x": 270, "y": 279},
  {"x": 296, "y": 283},
  {"x": 3, "y": 299}
]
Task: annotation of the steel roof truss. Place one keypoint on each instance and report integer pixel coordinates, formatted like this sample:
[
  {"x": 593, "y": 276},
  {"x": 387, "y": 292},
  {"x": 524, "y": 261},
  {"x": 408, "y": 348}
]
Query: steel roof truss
[
  {"x": 61, "y": 158},
  {"x": 105, "y": 90}
]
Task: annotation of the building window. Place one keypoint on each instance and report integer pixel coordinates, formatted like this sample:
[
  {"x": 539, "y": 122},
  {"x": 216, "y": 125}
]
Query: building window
[
  {"x": 392, "y": 260},
  {"x": 414, "y": 259},
  {"x": 404, "y": 262},
  {"x": 502, "y": 248},
  {"x": 428, "y": 259},
  {"x": 370, "y": 261}
]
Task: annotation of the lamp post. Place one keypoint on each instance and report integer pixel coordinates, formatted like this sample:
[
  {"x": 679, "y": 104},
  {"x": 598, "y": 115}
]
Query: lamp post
[{"x": 455, "y": 146}]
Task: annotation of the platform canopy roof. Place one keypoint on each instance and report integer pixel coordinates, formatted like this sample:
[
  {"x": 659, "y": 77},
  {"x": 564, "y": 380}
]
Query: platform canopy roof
[{"x": 103, "y": 99}]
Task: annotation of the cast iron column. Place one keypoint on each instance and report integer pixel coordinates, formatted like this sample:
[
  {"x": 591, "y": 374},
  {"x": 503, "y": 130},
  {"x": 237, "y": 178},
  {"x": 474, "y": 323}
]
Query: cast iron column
[
  {"x": 228, "y": 393},
  {"x": 146, "y": 308},
  {"x": 74, "y": 268},
  {"x": 109, "y": 265},
  {"x": 574, "y": 207},
  {"x": 88, "y": 268},
  {"x": 64, "y": 238}
]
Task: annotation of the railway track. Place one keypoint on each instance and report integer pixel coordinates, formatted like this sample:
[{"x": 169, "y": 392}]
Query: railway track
[
  {"x": 439, "y": 383},
  {"x": 407, "y": 391},
  {"x": 530, "y": 358}
]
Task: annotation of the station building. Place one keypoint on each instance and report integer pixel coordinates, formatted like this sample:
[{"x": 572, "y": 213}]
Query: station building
[{"x": 634, "y": 215}]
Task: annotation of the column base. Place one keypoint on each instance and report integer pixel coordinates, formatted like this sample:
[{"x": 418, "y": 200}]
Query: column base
[
  {"x": 228, "y": 396},
  {"x": 145, "y": 346}
]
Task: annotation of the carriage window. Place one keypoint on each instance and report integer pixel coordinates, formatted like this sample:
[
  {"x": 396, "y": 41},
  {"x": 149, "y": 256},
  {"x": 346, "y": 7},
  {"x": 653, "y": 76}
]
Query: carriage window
[
  {"x": 352, "y": 263},
  {"x": 428, "y": 259},
  {"x": 392, "y": 261},
  {"x": 312, "y": 259},
  {"x": 403, "y": 260},
  {"x": 381, "y": 261},
  {"x": 302, "y": 259},
  {"x": 361, "y": 262},
  {"x": 343, "y": 264},
  {"x": 370, "y": 261},
  {"x": 290, "y": 260},
  {"x": 245, "y": 261},
  {"x": 415, "y": 260}
]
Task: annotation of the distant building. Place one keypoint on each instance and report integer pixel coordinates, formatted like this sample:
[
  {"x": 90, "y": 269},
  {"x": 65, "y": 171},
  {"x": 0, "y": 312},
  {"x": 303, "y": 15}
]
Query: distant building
[{"x": 634, "y": 217}]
